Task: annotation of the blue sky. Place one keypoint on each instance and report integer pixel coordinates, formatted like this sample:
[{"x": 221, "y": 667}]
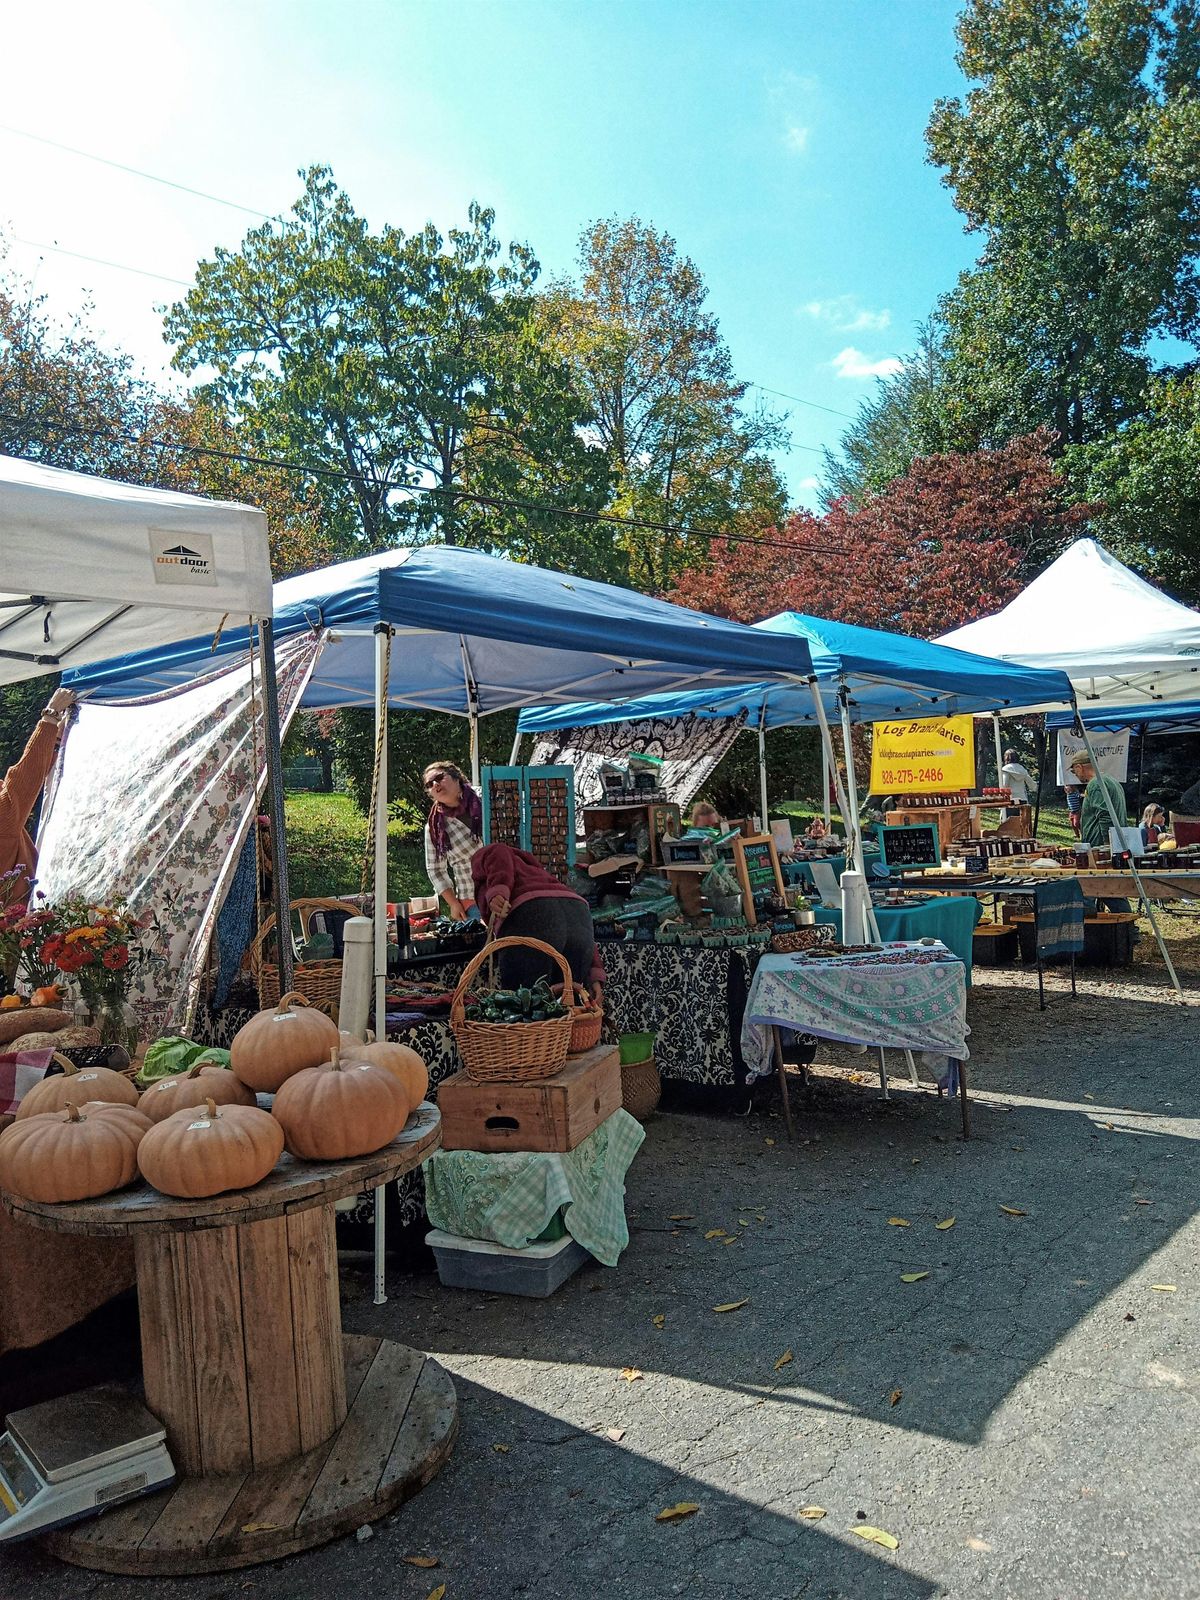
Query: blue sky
[{"x": 781, "y": 144}]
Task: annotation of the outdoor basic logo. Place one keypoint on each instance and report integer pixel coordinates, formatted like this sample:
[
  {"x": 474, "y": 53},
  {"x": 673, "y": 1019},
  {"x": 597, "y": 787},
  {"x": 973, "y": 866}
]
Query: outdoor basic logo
[{"x": 187, "y": 560}]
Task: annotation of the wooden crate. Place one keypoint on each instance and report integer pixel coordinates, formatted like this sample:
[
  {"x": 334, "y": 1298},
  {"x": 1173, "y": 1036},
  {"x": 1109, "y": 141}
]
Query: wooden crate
[{"x": 556, "y": 1114}]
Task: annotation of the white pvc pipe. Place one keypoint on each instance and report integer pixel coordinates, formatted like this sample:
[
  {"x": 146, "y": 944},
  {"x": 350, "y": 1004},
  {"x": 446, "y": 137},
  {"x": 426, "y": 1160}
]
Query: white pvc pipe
[
  {"x": 358, "y": 967},
  {"x": 379, "y": 825},
  {"x": 860, "y": 860}
]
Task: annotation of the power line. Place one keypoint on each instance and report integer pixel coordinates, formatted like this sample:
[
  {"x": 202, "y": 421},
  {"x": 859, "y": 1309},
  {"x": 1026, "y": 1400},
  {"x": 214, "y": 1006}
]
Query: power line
[
  {"x": 119, "y": 266},
  {"x": 783, "y": 395},
  {"x": 136, "y": 172},
  {"x": 494, "y": 502}
]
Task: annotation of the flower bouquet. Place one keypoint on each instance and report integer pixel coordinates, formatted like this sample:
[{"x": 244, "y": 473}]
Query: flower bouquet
[{"x": 93, "y": 945}]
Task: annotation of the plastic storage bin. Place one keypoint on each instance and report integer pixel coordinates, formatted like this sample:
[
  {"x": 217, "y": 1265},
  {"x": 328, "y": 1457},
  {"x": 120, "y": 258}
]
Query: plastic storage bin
[{"x": 535, "y": 1271}]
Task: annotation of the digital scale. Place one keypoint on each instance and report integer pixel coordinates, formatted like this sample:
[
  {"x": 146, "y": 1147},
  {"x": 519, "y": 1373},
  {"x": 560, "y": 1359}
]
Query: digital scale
[{"x": 77, "y": 1456}]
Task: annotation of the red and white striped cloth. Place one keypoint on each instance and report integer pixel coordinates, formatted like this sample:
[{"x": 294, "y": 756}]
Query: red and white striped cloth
[{"x": 20, "y": 1070}]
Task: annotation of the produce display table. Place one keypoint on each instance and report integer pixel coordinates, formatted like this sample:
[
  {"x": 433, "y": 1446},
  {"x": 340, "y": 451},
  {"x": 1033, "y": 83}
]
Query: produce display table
[
  {"x": 284, "y": 1432},
  {"x": 904, "y": 1004},
  {"x": 950, "y": 918},
  {"x": 801, "y": 871}
]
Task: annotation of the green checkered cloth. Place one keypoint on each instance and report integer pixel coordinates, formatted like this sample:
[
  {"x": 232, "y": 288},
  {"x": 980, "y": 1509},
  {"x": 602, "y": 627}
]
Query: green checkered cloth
[{"x": 512, "y": 1197}]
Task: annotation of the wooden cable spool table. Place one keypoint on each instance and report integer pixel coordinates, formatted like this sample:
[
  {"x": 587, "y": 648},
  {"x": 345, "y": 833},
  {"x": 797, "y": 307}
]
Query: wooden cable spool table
[{"x": 284, "y": 1431}]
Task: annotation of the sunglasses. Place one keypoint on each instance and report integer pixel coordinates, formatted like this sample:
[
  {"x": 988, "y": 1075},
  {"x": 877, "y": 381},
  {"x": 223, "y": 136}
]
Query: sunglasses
[{"x": 435, "y": 777}]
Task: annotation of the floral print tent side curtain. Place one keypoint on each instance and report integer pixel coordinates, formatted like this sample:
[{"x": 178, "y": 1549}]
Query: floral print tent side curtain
[{"x": 152, "y": 800}]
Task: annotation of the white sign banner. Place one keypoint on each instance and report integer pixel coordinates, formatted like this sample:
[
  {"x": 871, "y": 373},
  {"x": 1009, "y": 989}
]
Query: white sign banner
[{"x": 1112, "y": 754}]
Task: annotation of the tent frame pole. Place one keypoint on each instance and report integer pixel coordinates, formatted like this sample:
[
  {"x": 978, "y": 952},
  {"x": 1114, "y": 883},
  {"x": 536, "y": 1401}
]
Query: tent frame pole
[
  {"x": 379, "y": 909},
  {"x": 999, "y": 747},
  {"x": 1118, "y": 822},
  {"x": 825, "y": 785},
  {"x": 274, "y": 762},
  {"x": 514, "y": 759},
  {"x": 762, "y": 766}
]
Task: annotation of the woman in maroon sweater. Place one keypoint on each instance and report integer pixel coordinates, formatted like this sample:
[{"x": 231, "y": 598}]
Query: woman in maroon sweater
[{"x": 514, "y": 890}]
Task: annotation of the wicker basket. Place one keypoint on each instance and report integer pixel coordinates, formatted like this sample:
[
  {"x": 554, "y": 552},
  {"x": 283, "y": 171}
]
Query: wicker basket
[
  {"x": 587, "y": 1025},
  {"x": 512, "y": 1052},
  {"x": 641, "y": 1089},
  {"x": 320, "y": 982}
]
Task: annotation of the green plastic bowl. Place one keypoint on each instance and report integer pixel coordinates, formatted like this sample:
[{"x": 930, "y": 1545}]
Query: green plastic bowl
[{"x": 636, "y": 1047}]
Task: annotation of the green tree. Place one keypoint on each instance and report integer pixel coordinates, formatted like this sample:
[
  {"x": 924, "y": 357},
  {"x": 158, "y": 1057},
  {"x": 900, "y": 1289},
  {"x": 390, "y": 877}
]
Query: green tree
[
  {"x": 667, "y": 407},
  {"x": 1074, "y": 154},
  {"x": 409, "y": 364},
  {"x": 1148, "y": 476}
]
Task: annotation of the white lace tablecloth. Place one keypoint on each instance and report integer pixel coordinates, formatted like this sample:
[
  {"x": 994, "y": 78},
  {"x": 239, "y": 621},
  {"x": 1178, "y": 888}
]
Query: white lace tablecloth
[{"x": 918, "y": 1004}]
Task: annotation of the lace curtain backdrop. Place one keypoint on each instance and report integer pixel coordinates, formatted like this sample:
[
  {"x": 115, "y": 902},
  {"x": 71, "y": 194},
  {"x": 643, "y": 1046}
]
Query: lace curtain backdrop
[{"x": 152, "y": 800}]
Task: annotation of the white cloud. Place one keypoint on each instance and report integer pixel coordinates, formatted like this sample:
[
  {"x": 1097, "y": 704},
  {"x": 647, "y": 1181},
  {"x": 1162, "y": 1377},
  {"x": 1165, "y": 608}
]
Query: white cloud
[
  {"x": 792, "y": 97},
  {"x": 809, "y": 483},
  {"x": 795, "y": 139},
  {"x": 851, "y": 363},
  {"x": 845, "y": 314}
]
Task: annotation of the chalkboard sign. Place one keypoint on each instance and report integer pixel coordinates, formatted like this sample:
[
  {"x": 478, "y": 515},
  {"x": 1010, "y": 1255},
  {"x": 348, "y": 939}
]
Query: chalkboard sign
[
  {"x": 910, "y": 846},
  {"x": 757, "y": 862}
]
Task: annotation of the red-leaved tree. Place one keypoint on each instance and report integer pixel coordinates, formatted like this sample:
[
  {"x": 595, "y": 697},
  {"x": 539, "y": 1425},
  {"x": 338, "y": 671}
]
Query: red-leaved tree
[{"x": 954, "y": 539}]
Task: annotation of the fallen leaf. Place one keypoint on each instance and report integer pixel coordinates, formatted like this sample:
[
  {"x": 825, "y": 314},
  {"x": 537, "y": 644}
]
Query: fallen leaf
[
  {"x": 1012, "y": 1211},
  {"x": 615, "y": 1434},
  {"x": 732, "y": 1240},
  {"x": 1109, "y": 1126},
  {"x": 1129, "y": 1317},
  {"x": 889, "y": 1541},
  {"x": 1089, "y": 1097},
  {"x": 812, "y": 1513},
  {"x": 947, "y": 1222},
  {"x": 768, "y": 1141},
  {"x": 895, "y": 1397},
  {"x": 1163, "y": 1288},
  {"x": 1138, "y": 1202},
  {"x": 660, "y": 1320},
  {"x": 420, "y": 1561},
  {"x": 732, "y": 1305},
  {"x": 260, "y": 1527},
  {"x": 501, "y": 1449},
  {"x": 979, "y": 1544},
  {"x": 438, "y": 1593},
  {"x": 912, "y": 1277},
  {"x": 632, "y": 1374},
  {"x": 743, "y": 1222},
  {"x": 685, "y": 1508},
  {"x": 681, "y": 1216},
  {"x": 715, "y": 1233},
  {"x": 899, "y": 1222},
  {"x": 856, "y": 1077},
  {"x": 783, "y": 1361}
]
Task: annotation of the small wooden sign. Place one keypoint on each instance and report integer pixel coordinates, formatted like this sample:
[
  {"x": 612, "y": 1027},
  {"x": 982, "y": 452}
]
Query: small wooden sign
[{"x": 756, "y": 862}]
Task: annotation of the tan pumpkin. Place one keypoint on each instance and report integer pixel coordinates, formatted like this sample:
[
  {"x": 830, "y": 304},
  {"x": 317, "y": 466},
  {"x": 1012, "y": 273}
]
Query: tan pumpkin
[
  {"x": 73, "y": 1154},
  {"x": 281, "y": 1040},
  {"x": 205, "y": 1150},
  {"x": 206, "y": 1081},
  {"x": 400, "y": 1060},
  {"x": 343, "y": 1108},
  {"x": 79, "y": 1086}
]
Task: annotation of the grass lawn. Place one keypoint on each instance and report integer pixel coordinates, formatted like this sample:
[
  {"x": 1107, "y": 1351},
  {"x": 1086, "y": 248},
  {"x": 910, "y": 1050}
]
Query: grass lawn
[
  {"x": 1054, "y": 826},
  {"x": 326, "y": 838}
]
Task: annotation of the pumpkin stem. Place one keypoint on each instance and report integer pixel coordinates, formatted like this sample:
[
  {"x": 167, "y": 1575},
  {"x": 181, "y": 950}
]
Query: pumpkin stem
[
  {"x": 65, "y": 1063},
  {"x": 210, "y": 1105},
  {"x": 292, "y": 998},
  {"x": 73, "y": 1112},
  {"x": 335, "y": 1058},
  {"x": 197, "y": 1069}
]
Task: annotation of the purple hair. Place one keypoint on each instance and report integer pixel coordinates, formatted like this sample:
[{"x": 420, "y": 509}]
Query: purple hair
[{"x": 469, "y": 809}]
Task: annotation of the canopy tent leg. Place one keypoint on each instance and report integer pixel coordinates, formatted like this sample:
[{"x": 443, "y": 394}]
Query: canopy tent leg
[
  {"x": 475, "y": 779},
  {"x": 825, "y": 784},
  {"x": 379, "y": 825},
  {"x": 1120, "y": 822},
  {"x": 1141, "y": 769},
  {"x": 514, "y": 759},
  {"x": 472, "y": 689},
  {"x": 830, "y": 761},
  {"x": 860, "y": 860},
  {"x": 762, "y": 766},
  {"x": 274, "y": 760},
  {"x": 1041, "y": 775},
  {"x": 999, "y": 747}
]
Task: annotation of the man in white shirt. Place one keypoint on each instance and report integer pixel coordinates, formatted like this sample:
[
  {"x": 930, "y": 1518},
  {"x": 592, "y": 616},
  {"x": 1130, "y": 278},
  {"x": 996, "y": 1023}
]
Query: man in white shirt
[{"x": 1017, "y": 779}]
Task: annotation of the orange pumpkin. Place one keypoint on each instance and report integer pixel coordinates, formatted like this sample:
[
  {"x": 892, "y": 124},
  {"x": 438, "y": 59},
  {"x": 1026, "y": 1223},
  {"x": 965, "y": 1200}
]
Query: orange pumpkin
[
  {"x": 279, "y": 1041},
  {"x": 343, "y": 1108},
  {"x": 205, "y": 1150},
  {"x": 79, "y": 1086},
  {"x": 401, "y": 1061},
  {"x": 73, "y": 1154},
  {"x": 206, "y": 1081}
]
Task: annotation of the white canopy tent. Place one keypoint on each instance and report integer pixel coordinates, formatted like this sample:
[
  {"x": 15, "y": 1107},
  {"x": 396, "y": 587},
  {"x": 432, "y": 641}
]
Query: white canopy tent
[
  {"x": 1121, "y": 641},
  {"x": 93, "y": 568}
]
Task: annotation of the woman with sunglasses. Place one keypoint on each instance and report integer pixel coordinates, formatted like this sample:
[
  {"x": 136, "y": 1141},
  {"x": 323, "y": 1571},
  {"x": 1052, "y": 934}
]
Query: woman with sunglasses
[{"x": 453, "y": 833}]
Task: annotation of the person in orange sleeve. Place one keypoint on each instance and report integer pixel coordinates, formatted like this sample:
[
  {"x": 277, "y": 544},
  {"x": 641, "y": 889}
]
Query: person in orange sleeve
[{"x": 21, "y": 785}]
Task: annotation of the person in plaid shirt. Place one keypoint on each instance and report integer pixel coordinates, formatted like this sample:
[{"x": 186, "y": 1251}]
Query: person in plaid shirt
[{"x": 452, "y": 835}]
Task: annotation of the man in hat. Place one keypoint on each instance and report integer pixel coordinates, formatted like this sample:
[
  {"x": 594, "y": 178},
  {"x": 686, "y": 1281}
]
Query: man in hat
[{"x": 1094, "y": 817}]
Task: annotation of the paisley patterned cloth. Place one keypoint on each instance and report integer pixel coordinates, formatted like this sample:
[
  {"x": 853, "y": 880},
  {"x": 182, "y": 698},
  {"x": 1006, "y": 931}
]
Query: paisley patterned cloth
[
  {"x": 511, "y": 1198},
  {"x": 689, "y": 748},
  {"x": 904, "y": 1006}
]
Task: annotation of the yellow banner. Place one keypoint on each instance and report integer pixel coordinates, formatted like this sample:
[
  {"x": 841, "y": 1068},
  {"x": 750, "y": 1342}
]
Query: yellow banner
[{"x": 923, "y": 757}]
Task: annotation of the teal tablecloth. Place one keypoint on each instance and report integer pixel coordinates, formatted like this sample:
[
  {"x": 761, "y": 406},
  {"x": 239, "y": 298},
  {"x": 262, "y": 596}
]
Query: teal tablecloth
[
  {"x": 798, "y": 871},
  {"x": 510, "y": 1198},
  {"x": 950, "y": 918}
]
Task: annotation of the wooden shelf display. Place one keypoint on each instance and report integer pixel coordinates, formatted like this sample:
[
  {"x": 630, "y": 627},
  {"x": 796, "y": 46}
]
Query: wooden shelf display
[
  {"x": 532, "y": 808},
  {"x": 285, "y": 1434}
]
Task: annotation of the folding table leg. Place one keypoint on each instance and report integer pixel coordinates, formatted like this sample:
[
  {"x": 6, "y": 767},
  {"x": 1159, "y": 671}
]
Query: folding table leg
[
  {"x": 963, "y": 1100},
  {"x": 1041, "y": 989},
  {"x": 883, "y": 1083},
  {"x": 912, "y": 1069},
  {"x": 777, "y": 1043}
]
